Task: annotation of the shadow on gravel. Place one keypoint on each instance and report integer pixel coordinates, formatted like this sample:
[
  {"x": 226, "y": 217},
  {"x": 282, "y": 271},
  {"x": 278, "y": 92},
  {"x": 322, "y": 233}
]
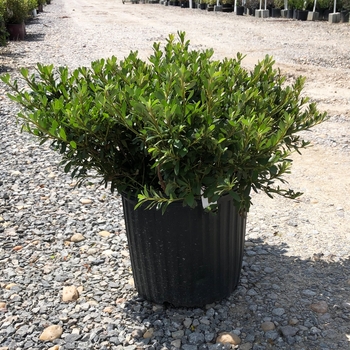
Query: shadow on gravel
[
  {"x": 35, "y": 37},
  {"x": 5, "y": 69},
  {"x": 308, "y": 300}
]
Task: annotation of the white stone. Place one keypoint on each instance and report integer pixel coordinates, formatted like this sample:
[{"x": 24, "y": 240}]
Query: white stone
[
  {"x": 86, "y": 201},
  {"x": 104, "y": 234},
  {"x": 229, "y": 338},
  {"x": 51, "y": 333},
  {"x": 70, "y": 293},
  {"x": 77, "y": 237}
]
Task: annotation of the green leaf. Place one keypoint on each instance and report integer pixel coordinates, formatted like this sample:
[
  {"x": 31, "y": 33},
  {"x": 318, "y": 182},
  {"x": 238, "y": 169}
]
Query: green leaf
[{"x": 63, "y": 134}]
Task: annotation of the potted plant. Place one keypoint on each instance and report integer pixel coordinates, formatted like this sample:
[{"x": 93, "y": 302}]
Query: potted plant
[
  {"x": 276, "y": 8},
  {"x": 203, "y": 4},
  {"x": 251, "y": 6},
  {"x": 184, "y": 136},
  {"x": 227, "y": 5},
  {"x": 3, "y": 31},
  {"x": 32, "y": 7},
  {"x": 211, "y": 4},
  {"x": 15, "y": 15},
  {"x": 239, "y": 8},
  {"x": 41, "y": 4},
  {"x": 300, "y": 12}
]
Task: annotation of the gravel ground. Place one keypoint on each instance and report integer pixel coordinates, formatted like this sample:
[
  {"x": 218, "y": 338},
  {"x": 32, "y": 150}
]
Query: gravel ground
[{"x": 294, "y": 291}]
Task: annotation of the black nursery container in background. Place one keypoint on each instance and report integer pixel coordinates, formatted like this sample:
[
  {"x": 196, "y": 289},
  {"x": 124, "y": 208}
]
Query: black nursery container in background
[{"x": 172, "y": 132}]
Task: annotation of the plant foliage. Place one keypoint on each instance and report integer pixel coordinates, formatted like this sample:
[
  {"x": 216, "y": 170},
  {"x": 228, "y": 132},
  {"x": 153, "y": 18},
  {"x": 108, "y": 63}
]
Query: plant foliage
[{"x": 178, "y": 127}]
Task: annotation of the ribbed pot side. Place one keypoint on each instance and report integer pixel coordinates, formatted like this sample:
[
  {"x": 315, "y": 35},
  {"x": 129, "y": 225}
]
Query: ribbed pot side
[{"x": 185, "y": 257}]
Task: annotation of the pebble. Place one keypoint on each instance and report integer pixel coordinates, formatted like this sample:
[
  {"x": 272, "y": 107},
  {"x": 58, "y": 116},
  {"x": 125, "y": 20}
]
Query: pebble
[
  {"x": 268, "y": 326},
  {"x": 10, "y": 285},
  {"x": 148, "y": 333},
  {"x": 229, "y": 338},
  {"x": 104, "y": 234},
  {"x": 319, "y": 307},
  {"x": 51, "y": 333},
  {"x": 70, "y": 293},
  {"x": 289, "y": 331},
  {"x": 77, "y": 237},
  {"x": 86, "y": 201}
]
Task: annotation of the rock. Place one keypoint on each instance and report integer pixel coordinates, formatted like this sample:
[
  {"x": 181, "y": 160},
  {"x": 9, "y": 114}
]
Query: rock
[
  {"x": 17, "y": 247},
  {"x": 187, "y": 322},
  {"x": 289, "y": 331},
  {"x": 148, "y": 333},
  {"x": 320, "y": 307},
  {"x": 246, "y": 346},
  {"x": 120, "y": 301},
  {"x": 55, "y": 347},
  {"x": 196, "y": 338},
  {"x": 2, "y": 305},
  {"x": 137, "y": 333},
  {"x": 10, "y": 286},
  {"x": 308, "y": 293},
  {"x": 51, "y": 333},
  {"x": 278, "y": 311},
  {"x": 230, "y": 338},
  {"x": 70, "y": 293},
  {"x": 108, "y": 309},
  {"x": 157, "y": 308},
  {"x": 104, "y": 234},
  {"x": 293, "y": 321},
  {"x": 267, "y": 326},
  {"x": 77, "y": 237},
  {"x": 86, "y": 201},
  {"x": 176, "y": 343},
  {"x": 344, "y": 305},
  {"x": 178, "y": 334}
]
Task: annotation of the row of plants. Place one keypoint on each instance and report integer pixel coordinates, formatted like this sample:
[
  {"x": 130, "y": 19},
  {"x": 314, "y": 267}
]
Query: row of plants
[
  {"x": 321, "y": 5},
  {"x": 16, "y": 12}
]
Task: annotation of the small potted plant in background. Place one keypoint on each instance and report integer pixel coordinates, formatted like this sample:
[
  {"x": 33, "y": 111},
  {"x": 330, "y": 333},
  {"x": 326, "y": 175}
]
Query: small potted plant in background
[
  {"x": 3, "y": 31},
  {"x": 15, "y": 15},
  {"x": 276, "y": 8},
  {"x": 41, "y": 4},
  {"x": 239, "y": 8},
  {"x": 300, "y": 12},
  {"x": 227, "y": 5},
  {"x": 32, "y": 7},
  {"x": 203, "y": 4},
  {"x": 185, "y": 139},
  {"x": 251, "y": 6},
  {"x": 211, "y": 4},
  {"x": 344, "y": 13}
]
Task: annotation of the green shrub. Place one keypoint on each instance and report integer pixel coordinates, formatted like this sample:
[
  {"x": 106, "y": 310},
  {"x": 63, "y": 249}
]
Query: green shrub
[
  {"x": 17, "y": 11},
  {"x": 32, "y": 4},
  {"x": 173, "y": 128}
]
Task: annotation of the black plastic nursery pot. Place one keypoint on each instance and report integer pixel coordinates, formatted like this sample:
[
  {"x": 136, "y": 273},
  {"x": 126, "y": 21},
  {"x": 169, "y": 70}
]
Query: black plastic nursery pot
[
  {"x": 239, "y": 10},
  {"x": 16, "y": 31},
  {"x": 185, "y": 257}
]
